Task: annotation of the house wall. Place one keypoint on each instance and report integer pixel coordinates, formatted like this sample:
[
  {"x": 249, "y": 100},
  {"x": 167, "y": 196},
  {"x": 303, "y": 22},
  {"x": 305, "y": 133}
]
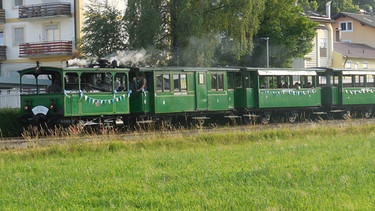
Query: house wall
[
  {"x": 34, "y": 31},
  {"x": 360, "y": 34},
  {"x": 315, "y": 58},
  {"x": 339, "y": 62}
]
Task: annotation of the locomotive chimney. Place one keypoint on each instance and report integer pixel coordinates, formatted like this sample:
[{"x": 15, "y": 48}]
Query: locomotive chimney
[{"x": 328, "y": 9}]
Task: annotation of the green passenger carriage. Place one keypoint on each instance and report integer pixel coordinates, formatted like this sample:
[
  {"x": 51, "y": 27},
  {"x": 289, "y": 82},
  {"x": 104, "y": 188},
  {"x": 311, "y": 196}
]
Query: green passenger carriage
[
  {"x": 346, "y": 91},
  {"x": 273, "y": 93},
  {"x": 181, "y": 93}
]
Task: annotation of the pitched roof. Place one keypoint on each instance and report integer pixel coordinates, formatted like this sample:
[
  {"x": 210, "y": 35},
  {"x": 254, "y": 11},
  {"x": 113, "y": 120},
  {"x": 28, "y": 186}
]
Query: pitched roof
[
  {"x": 315, "y": 16},
  {"x": 353, "y": 50},
  {"x": 362, "y": 18}
]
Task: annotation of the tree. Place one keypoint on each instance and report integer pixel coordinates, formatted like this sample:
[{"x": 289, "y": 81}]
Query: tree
[
  {"x": 103, "y": 31},
  {"x": 290, "y": 34},
  {"x": 191, "y": 30}
]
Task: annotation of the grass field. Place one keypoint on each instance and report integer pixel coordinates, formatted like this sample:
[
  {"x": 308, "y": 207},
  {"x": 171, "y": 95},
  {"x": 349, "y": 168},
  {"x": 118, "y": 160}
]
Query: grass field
[{"x": 330, "y": 168}]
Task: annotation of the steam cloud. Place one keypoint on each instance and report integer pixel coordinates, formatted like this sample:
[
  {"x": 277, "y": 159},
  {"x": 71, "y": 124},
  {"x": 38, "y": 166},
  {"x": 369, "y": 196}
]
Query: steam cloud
[{"x": 126, "y": 58}]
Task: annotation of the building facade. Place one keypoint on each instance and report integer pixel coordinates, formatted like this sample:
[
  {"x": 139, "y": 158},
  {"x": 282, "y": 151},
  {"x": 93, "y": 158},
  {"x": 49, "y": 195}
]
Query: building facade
[
  {"x": 37, "y": 30},
  {"x": 322, "y": 51},
  {"x": 354, "y": 41}
]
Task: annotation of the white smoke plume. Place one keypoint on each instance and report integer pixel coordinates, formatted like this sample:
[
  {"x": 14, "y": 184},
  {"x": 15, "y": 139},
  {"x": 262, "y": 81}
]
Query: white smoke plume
[
  {"x": 78, "y": 62},
  {"x": 129, "y": 58},
  {"x": 123, "y": 58}
]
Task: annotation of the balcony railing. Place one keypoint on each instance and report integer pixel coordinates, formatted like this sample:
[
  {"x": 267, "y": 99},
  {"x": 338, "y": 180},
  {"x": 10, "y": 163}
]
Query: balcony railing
[
  {"x": 46, "y": 49},
  {"x": 2, "y": 16},
  {"x": 3, "y": 53},
  {"x": 44, "y": 10}
]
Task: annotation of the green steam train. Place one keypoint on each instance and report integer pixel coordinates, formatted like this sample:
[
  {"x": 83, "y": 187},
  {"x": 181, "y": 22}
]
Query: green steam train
[{"x": 105, "y": 93}]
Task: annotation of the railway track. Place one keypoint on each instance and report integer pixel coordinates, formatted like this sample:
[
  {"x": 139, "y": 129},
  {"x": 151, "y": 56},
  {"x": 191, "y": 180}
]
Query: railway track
[{"x": 26, "y": 143}]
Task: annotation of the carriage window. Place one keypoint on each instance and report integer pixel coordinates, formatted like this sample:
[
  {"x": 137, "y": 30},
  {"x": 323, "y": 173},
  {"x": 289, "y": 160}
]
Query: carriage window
[
  {"x": 322, "y": 80},
  {"x": 201, "y": 78},
  {"x": 217, "y": 82},
  {"x": 162, "y": 83},
  {"x": 347, "y": 81},
  {"x": 71, "y": 81},
  {"x": 166, "y": 81},
  {"x": 370, "y": 80},
  {"x": 179, "y": 82},
  {"x": 359, "y": 80},
  {"x": 234, "y": 80},
  {"x": 96, "y": 82},
  {"x": 183, "y": 82},
  {"x": 159, "y": 83},
  {"x": 248, "y": 81},
  {"x": 335, "y": 80},
  {"x": 120, "y": 82}
]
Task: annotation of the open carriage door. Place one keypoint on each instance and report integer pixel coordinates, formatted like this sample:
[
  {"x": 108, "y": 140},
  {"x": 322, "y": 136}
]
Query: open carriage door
[{"x": 201, "y": 91}]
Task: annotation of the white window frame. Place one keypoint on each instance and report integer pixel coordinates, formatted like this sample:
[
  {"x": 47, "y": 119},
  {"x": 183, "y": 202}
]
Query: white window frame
[
  {"x": 14, "y": 35},
  {"x": 56, "y": 29},
  {"x": 348, "y": 64},
  {"x": 16, "y": 6},
  {"x": 346, "y": 26},
  {"x": 2, "y": 39},
  {"x": 365, "y": 65}
]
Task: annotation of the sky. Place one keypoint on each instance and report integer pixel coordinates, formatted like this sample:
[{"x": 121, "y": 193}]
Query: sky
[{"x": 120, "y": 4}]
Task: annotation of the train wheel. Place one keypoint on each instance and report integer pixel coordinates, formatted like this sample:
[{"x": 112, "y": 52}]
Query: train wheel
[
  {"x": 265, "y": 118},
  {"x": 292, "y": 116},
  {"x": 367, "y": 114},
  {"x": 166, "y": 123},
  {"x": 345, "y": 115},
  {"x": 247, "y": 119},
  {"x": 275, "y": 118}
]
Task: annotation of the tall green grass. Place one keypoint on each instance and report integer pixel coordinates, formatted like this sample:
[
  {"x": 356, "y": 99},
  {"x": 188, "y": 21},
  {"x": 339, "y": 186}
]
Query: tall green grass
[{"x": 286, "y": 169}]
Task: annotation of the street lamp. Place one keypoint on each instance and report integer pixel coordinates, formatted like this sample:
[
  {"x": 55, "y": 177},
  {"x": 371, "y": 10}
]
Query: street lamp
[{"x": 268, "y": 52}]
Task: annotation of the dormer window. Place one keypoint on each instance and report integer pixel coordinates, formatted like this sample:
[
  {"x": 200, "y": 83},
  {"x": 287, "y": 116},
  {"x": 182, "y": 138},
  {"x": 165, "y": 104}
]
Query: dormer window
[{"x": 346, "y": 26}]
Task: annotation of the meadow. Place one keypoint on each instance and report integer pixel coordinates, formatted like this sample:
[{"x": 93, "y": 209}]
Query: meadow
[{"x": 309, "y": 168}]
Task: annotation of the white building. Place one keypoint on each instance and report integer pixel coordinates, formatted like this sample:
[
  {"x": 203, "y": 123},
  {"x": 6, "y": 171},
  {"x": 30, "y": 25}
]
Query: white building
[{"x": 37, "y": 30}]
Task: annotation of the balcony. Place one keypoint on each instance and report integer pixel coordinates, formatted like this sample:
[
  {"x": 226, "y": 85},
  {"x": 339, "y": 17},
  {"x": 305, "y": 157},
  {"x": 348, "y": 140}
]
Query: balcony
[
  {"x": 2, "y": 16},
  {"x": 46, "y": 49},
  {"x": 44, "y": 10},
  {"x": 3, "y": 53}
]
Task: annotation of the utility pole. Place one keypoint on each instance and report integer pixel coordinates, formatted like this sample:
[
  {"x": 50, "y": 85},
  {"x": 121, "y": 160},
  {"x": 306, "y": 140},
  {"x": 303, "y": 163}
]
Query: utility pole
[{"x": 268, "y": 52}]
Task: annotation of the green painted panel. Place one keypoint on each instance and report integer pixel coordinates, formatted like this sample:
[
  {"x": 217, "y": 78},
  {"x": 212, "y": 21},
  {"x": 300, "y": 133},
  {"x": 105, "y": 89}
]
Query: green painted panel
[
  {"x": 231, "y": 99},
  {"x": 72, "y": 105},
  {"x": 90, "y": 104},
  {"x": 217, "y": 101},
  {"x": 329, "y": 96},
  {"x": 164, "y": 103},
  {"x": 278, "y": 98},
  {"x": 358, "y": 96},
  {"x": 42, "y": 100},
  {"x": 201, "y": 91},
  {"x": 140, "y": 102},
  {"x": 245, "y": 98},
  {"x": 183, "y": 102}
]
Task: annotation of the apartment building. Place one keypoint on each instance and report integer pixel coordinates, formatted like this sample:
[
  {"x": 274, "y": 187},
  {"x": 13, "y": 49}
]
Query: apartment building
[{"x": 37, "y": 30}]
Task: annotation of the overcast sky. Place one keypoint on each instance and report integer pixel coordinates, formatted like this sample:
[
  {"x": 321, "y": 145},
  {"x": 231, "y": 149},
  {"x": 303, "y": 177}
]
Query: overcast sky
[{"x": 119, "y": 4}]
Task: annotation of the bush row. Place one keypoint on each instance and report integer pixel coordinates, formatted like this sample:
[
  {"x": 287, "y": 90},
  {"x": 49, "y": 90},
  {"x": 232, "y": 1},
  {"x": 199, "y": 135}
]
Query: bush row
[{"x": 10, "y": 122}]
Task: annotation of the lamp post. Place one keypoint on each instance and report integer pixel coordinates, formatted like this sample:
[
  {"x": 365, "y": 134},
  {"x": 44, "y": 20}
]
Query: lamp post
[{"x": 268, "y": 52}]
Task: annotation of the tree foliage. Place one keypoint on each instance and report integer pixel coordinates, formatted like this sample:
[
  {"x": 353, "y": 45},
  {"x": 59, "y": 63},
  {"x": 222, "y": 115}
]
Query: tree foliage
[
  {"x": 201, "y": 32},
  {"x": 103, "y": 31},
  {"x": 191, "y": 30},
  {"x": 290, "y": 34},
  {"x": 338, "y": 6}
]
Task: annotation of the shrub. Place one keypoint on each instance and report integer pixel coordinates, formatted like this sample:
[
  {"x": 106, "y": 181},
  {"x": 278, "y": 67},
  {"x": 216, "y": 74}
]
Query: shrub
[{"x": 10, "y": 122}]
